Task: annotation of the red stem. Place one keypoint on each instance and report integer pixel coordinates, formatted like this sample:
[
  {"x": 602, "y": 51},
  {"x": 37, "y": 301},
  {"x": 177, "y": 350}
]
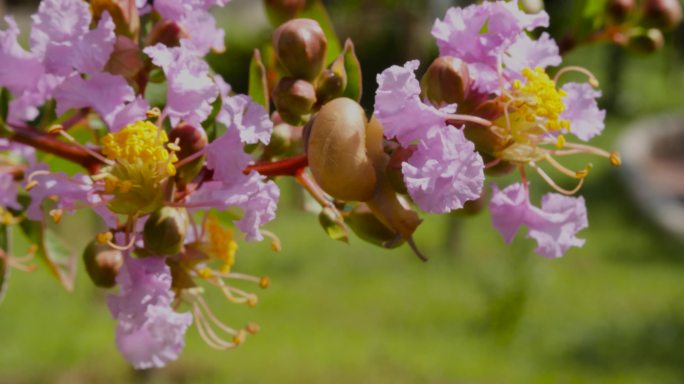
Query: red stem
[{"x": 285, "y": 167}]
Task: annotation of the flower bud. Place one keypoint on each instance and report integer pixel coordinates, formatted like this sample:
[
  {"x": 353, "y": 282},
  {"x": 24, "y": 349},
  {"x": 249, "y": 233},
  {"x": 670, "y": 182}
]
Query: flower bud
[
  {"x": 446, "y": 81},
  {"x": 279, "y": 11},
  {"x": 369, "y": 228},
  {"x": 330, "y": 85},
  {"x": 619, "y": 10},
  {"x": 532, "y": 6},
  {"x": 662, "y": 14},
  {"x": 645, "y": 41},
  {"x": 102, "y": 264},
  {"x": 294, "y": 98},
  {"x": 126, "y": 59},
  {"x": 124, "y": 14},
  {"x": 190, "y": 140},
  {"x": 301, "y": 47},
  {"x": 164, "y": 232},
  {"x": 167, "y": 32},
  {"x": 337, "y": 151}
]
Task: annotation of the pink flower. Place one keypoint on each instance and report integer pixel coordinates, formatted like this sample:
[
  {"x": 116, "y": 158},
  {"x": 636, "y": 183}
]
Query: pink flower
[
  {"x": 586, "y": 119},
  {"x": 149, "y": 332},
  {"x": 68, "y": 192},
  {"x": 190, "y": 89},
  {"x": 444, "y": 172},
  {"x": 244, "y": 115},
  {"x": 204, "y": 35},
  {"x": 490, "y": 34},
  {"x": 399, "y": 108},
  {"x": 177, "y": 9},
  {"x": 554, "y": 226},
  {"x": 59, "y": 22},
  {"x": 107, "y": 94}
]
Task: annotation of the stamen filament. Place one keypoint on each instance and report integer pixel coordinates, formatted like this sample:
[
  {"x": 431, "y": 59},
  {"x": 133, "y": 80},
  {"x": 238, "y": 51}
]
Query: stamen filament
[
  {"x": 573, "y": 68},
  {"x": 468, "y": 118},
  {"x": 555, "y": 186}
]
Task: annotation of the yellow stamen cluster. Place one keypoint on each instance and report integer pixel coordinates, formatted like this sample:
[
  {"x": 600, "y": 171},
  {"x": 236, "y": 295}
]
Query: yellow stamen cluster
[
  {"x": 538, "y": 100},
  {"x": 140, "y": 142},
  {"x": 222, "y": 246}
]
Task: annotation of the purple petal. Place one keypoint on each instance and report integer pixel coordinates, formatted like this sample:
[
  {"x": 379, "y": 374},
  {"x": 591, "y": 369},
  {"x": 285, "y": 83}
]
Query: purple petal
[
  {"x": 509, "y": 209},
  {"x": 444, "y": 172},
  {"x": 565, "y": 216},
  {"x": 8, "y": 191},
  {"x": 204, "y": 35},
  {"x": 190, "y": 89},
  {"x": 586, "y": 119},
  {"x": 129, "y": 113},
  {"x": 69, "y": 192},
  {"x": 103, "y": 92},
  {"x": 247, "y": 117},
  {"x": 59, "y": 21},
  {"x": 19, "y": 69},
  {"x": 528, "y": 53},
  {"x": 398, "y": 106},
  {"x": 226, "y": 157}
]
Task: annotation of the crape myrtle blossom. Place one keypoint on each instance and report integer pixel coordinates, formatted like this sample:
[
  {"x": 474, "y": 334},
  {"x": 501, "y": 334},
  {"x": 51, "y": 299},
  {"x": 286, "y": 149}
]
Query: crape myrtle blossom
[
  {"x": 554, "y": 226},
  {"x": 444, "y": 171},
  {"x": 492, "y": 38},
  {"x": 61, "y": 44},
  {"x": 534, "y": 116},
  {"x": 149, "y": 332}
]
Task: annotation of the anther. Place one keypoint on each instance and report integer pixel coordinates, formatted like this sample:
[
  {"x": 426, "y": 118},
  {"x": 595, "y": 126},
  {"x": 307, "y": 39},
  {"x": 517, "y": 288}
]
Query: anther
[
  {"x": 55, "y": 129},
  {"x": 252, "y": 301},
  {"x": 56, "y": 215},
  {"x": 264, "y": 282},
  {"x": 615, "y": 160},
  {"x": 104, "y": 237},
  {"x": 560, "y": 143},
  {"x": 153, "y": 113},
  {"x": 252, "y": 328},
  {"x": 31, "y": 184}
]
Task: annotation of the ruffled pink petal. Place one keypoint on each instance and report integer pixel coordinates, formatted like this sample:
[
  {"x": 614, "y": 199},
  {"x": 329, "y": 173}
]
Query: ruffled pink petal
[
  {"x": 8, "y": 192},
  {"x": 69, "y": 192},
  {"x": 205, "y": 36},
  {"x": 444, "y": 172},
  {"x": 247, "y": 117},
  {"x": 586, "y": 119},
  {"x": 191, "y": 90},
  {"x": 59, "y": 21},
  {"x": 398, "y": 106},
  {"x": 565, "y": 216},
  {"x": 19, "y": 69},
  {"x": 103, "y": 92},
  {"x": 528, "y": 53}
]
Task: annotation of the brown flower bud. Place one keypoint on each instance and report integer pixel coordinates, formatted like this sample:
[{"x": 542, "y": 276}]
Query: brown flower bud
[
  {"x": 164, "y": 231},
  {"x": 662, "y": 14},
  {"x": 190, "y": 140},
  {"x": 294, "y": 98},
  {"x": 126, "y": 59},
  {"x": 102, "y": 264},
  {"x": 337, "y": 152},
  {"x": 619, "y": 10},
  {"x": 301, "y": 48},
  {"x": 446, "y": 81},
  {"x": 124, "y": 14},
  {"x": 167, "y": 32},
  {"x": 645, "y": 41},
  {"x": 330, "y": 85},
  {"x": 279, "y": 11}
]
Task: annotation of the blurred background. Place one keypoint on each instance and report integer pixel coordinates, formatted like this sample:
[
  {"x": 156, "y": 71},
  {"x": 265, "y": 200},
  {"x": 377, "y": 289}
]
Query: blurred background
[{"x": 479, "y": 312}]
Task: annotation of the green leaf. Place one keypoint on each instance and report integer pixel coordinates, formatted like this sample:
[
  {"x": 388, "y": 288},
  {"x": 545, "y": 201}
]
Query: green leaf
[
  {"x": 595, "y": 10},
  {"x": 60, "y": 260},
  {"x": 4, "y": 254},
  {"x": 352, "y": 67},
  {"x": 258, "y": 82},
  {"x": 316, "y": 11},
  {"x": 333, "y": 225}
]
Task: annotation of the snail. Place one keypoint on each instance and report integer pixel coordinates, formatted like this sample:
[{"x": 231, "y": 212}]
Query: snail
[{"x": 347, "y": 160}]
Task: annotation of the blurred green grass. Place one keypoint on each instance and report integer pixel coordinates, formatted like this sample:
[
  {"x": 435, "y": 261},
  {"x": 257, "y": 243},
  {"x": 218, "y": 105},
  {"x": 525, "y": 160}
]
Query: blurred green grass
[{"x": 610, "y": 312}]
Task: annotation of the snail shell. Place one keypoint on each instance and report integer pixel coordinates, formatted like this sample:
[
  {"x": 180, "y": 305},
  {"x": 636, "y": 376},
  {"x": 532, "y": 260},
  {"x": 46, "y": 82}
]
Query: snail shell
[{"x": 338, "y": 157}]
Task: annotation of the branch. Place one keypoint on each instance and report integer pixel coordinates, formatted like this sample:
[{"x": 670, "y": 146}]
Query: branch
[{"x": 286, "y": 167}]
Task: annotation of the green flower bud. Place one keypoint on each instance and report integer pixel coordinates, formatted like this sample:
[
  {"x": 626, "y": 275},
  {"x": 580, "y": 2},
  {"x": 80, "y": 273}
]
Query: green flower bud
[
  {"x": 446, "y": 81},
  {"x": 102, "y": 264},
  {"x": 167, "y": 32},
  {"x": 532, "y": 6},
  {"x": 301, "y": 48},
  {"x": 330, "y": 85},
  {"x": 190, "y": 140},
  {"x": 279, "y": 11},
  {"x": 619, "y": 10},
  {"x": 662, "y": 14},
  {"x": 369, "y": 228},
  {"x": 294, "y": 98},
  {"x": 337, "y": 153},
  {"x": 164, "y": 232},
  {"x": 645, "y": 41}
]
